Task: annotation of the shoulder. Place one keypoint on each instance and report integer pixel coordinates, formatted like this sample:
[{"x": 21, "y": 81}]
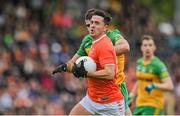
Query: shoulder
[
  {"x": 113, "y": 31},
  {"x": 139, "y": 60},
  {"x": 104, "y": 43},
  {"x": 114, "y": 35},
  {"x": 87, "y": 38},
  {"x": 157, "y": 62}
]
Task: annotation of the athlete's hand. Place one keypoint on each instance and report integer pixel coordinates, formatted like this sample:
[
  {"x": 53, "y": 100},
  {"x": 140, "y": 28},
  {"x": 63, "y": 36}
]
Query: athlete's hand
[
  {"x": 61, "y": 68},
  {"x": 78, "y": 70},
  {"x": 151, "y": 87}
]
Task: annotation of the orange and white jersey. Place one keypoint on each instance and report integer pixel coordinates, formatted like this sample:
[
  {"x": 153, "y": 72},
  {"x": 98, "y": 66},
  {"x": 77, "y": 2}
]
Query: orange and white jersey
[{"x": 103, "y": 91}]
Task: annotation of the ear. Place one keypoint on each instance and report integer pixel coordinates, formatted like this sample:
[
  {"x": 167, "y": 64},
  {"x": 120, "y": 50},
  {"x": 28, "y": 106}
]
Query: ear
[
  {"x": 106, "y": 27},
  {"x": 155, "y": 48}
]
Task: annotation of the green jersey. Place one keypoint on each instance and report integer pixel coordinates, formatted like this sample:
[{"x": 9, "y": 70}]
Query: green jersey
[{"x": 147, "y": 73}]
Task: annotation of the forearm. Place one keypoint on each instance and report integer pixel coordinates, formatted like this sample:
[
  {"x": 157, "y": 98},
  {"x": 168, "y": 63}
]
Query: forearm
[
  {"x": 165, "y": 86},
  {"x": 69, "y": 66},
  {"x": 71, "y": 62},
  {"x": 101, "y": 74},
  {"x": 134, "y": 89},
  {"x": 121, "y": 47},
  {"x": 120, "y": 51}
]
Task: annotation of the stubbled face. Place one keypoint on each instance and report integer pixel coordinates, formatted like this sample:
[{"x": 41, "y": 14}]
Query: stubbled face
[
  {"x": 97, "y": 26},
  {"x": 88, "y": 25},
  {"x": 148, "y": 48}
]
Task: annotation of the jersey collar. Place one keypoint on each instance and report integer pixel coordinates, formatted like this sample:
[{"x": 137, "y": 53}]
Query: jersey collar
[
  {"x": 147, "y": 62},
  {"x": 99, "y": 38}
]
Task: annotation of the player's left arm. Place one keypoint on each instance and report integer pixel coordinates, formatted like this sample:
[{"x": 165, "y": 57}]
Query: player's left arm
[
  {"x": 107, "y": 60},
  {"x": 166, "y": 84},
  {"x": 106, "y": 73},
  {"x": 121, "y": 45}
]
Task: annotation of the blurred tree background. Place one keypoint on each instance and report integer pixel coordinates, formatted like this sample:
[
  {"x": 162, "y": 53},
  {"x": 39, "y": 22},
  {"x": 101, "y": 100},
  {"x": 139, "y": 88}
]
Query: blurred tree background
[{"x": 162, "y": 10}]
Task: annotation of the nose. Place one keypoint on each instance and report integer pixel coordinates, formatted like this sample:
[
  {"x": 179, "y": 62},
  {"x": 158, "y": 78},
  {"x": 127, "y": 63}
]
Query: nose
[
  {"x": 148, "y": 48},
  {"x": 92, "y": 25}
]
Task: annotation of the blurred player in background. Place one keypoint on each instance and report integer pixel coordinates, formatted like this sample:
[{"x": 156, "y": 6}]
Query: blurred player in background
[
  {"x": 121, "y": 46},
  {"x": 152, "y": 81}
]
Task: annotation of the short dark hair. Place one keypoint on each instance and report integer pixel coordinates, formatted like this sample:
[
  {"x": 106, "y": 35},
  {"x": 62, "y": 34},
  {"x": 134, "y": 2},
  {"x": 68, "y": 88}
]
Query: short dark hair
[
  {"x": 146, "y": 37},
  {"x": 89, "y": 13},
  {"x": 105, "y": 15}
]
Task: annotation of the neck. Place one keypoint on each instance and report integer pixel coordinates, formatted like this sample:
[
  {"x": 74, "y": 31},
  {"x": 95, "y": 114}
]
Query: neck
[
  {"x": 98, "y": 36},
  {"x": 148, "y": 58}
]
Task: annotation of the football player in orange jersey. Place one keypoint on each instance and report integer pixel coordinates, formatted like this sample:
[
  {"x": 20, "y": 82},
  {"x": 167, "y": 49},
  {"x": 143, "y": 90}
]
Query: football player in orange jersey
[{"x": 103, "y": 96}]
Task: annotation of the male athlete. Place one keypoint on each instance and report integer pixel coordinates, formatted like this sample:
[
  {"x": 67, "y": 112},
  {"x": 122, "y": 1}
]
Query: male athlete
[
  {"x": 121, "y": 46},
  {"x": 152, "y": 81},
  {"x": 103, "y": 96}
]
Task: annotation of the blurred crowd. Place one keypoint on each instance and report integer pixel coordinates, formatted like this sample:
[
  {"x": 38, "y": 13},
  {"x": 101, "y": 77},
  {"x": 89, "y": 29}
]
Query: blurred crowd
[{"x": 37, "y": 35}]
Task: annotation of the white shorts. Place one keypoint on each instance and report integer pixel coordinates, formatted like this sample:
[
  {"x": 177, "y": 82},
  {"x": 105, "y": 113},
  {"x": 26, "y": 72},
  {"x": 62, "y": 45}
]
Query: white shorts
[{"x": 115, "y": 108}]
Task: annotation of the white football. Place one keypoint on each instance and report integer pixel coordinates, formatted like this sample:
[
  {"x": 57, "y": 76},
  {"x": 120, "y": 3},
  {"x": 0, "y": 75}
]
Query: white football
[{"x": 89, "y": 63}]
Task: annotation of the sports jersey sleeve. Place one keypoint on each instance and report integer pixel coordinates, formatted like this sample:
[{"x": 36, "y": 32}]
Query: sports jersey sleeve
[
  {"x": 81, "y": 51},
  {"x": 106, "y": 55},
  {"x": 163, "y": 73},
  {"x": 114, "y": 35}
]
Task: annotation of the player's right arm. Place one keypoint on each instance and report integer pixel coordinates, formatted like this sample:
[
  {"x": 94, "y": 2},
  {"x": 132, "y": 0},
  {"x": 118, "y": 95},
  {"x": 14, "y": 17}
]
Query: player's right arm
[
  {"x": 133, "y": 93},
  {"x": 134, "y": 90}
]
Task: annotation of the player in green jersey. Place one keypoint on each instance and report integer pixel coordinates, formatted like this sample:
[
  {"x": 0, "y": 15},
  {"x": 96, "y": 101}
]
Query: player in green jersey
[
  {"x": 152, "y": 81},
  {"x": 121, "y": 47}
]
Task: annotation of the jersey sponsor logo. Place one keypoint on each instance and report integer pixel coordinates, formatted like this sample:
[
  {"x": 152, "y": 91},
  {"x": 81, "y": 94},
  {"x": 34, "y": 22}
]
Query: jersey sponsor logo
[{"x": 104, "y": 98}]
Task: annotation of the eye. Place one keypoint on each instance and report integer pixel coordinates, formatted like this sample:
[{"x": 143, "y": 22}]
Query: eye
[
  {"x": 145, "y": 45},
  {"x": 150, "y": 45},
  {"x": 87, "y": 25}
]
